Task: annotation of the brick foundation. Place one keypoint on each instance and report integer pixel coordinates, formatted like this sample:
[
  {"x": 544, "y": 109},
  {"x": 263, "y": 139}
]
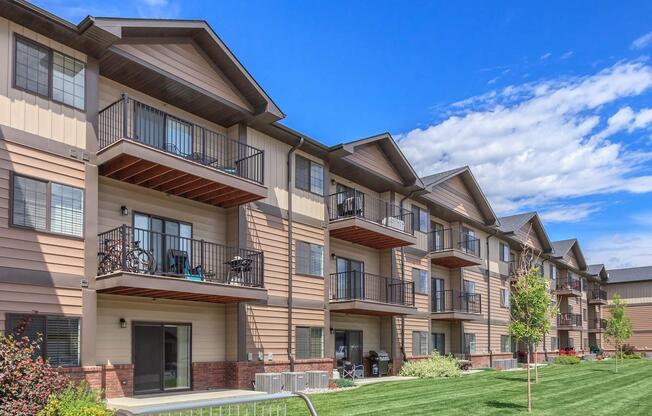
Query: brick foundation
[
  {"x": 113, "y": 380},
  {"x": 240, "y": 375},
  {"x": 209, "y": 375}
]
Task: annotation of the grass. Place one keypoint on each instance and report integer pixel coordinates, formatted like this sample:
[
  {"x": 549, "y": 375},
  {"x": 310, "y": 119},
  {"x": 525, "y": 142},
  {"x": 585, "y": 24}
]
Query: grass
[{"x": 591, "y": 388}]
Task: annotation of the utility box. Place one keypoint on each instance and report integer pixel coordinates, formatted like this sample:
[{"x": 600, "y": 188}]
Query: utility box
[
  {"x": 317, "y": 379},
  {"x": 269, "y": 382},
  {"x": 293, "y": 381}
]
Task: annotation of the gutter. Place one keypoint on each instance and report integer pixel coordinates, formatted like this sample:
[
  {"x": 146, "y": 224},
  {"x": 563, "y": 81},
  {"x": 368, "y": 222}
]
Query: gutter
[
  {"x": 290, "y": 262},
  {"x": 403, "y": 279}
]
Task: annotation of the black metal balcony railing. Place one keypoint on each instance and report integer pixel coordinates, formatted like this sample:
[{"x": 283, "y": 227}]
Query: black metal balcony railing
[
  {"x": 598, "y": 324},
  {"x": 569, "y": 319},
  {"x": 349, "y": 204},
  {"x": 598, "y": 294},
  {"x": 141, "y": 251},
  {"x": 456, "y": 301},
  {"x": 131, "y": 119},
  {"x": 365, "y": 286},
  {"x": 451, "y": 239},
  {"x": 569, "y": 284}
]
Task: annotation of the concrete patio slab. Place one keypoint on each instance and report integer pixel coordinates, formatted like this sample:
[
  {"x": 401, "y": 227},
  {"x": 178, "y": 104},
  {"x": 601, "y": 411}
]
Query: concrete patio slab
[{"x": 138, "y": 402}]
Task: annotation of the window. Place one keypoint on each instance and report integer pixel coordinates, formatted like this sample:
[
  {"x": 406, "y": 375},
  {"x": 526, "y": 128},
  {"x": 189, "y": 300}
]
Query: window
[
  {"x": 310, "y": 258},
  {"x": 584, "y": 314},
  {"x": 586, "y": 343},
  {"x": 420, "y": 278},
  {"x": 50, "y": 74},
  {"x": 504, "y": 298},
  {"x": 419, "y": 343},
  {"x": 504, "y": 252},
  {"x": 309, "y": 176},
  {"x": 438, "y": 300},
  {"x": 420, "y": 218},
  {"x": 438, "y": 341},
  {"x": 60, "y": 336},
  {"x": 437, "y": 237},
  {"x": 505, "y": 343},
  {"x": 310, "y": 342},
  {"x": 469, "y": 286},
  {"x": 65, "y": 214},
  {"x": 553, "y": 272},
  {"x": 554, "y": 344},
  {"x": 470, "y": 243},
  {"x": 469, "y": 343}
]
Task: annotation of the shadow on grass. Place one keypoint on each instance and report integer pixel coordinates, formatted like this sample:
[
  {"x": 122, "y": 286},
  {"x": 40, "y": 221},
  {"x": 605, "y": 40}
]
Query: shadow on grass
[{"x": 504, "y": 405}]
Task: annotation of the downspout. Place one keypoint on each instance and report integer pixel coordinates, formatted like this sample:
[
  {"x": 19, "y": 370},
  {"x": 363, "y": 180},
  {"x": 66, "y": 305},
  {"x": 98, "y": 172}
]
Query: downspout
[
  {"x": 491, "y": 353},
  {"x": 403, "y": 279},
  {"x": 545, "y": 349},
  {"x": 290, "y": 260}
]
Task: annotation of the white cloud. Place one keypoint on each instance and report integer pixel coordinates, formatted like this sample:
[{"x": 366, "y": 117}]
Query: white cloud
[
  {"x": 569, "y": 213},
  {"x": 545, "y": 56},
  {"x": 642, "y": 42},
  {"x": 537, "y": 144},
  {"x": 620, "y": 250},
  {"x": 566, "y": 55}
]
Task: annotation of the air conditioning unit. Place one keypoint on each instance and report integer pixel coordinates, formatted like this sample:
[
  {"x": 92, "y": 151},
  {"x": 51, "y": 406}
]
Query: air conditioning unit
[
  {"x": 294, "y": 381},
  {"x": 394, "y": 222},
  {"x": 269, "y": 382},
  {"x": 317, "y": 379}
]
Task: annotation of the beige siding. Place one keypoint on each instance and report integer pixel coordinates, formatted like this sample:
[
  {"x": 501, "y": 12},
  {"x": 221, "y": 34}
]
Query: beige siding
[
  {"x": 412, "y": 325},
  {"x": 114, "y": 343},
  {"x": 443, "y": 327},
  {"x": 421, "y": 301},
  {"x": 28, "y": 249},
  {"x": 631, "y": 293},
  {"x": 370, "y": 326},
  {"x": 370, "y": 256},
  {"x": 371, "y": 157},
  {"x": 481, "y": 336},
  {"x": 528, "y": 236},
  {"x": 183, "y": 60},
  {"x": 29, "y": 112},
  {"x": 454, "y": 195}
]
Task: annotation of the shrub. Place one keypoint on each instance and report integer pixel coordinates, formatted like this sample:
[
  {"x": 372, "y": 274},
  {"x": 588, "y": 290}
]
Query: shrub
[
  {"x": 567, "y": 360},
  {"x": 342, "y": 383},
  {"x": 628, "y": 349},
  {"x": 630, "y": 356},
  {"x": 26, "y": 380},
  {"x": 76, "y": 401},
  {"x": 434, "y": 367}
]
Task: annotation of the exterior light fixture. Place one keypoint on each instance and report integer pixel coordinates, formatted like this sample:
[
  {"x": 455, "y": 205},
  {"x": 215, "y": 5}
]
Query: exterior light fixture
[
  {"x": 124, "y": 210},
  {"x": 123, "y": 323}
]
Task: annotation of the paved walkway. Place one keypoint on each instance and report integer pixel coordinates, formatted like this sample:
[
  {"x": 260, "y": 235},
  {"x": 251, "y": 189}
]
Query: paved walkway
[
  {"x": 135, "y": 403},
  {"x": 374, "y": 380}
]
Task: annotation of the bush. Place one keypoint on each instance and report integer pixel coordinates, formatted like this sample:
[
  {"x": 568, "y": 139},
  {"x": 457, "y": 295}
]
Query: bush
[
  {"x": 628, "y": 349},
  {"x": 630, "y": 356},
  {"x": 567, "y": 360},
  {"x": 26, "y": 380},
  {"x": 342, "y": 383},
  {"x": 76, "y": 401},
  {"x": 434, "y": 367}
]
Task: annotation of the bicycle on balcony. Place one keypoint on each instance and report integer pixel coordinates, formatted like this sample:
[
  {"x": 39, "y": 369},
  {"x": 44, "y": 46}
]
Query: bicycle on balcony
[{"x": 136, "y": 259}]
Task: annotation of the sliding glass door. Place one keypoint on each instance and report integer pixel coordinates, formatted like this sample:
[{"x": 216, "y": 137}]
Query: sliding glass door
[
  {"x": 160, "y": 235},
  {"x": 161, "y": 354}
]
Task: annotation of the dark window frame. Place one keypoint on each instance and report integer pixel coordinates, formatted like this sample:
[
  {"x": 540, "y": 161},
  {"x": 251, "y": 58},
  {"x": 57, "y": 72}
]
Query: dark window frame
[
  {"x": 505, "y": 249},
  {"x": 296, "y": 176},
  {"x": 416, "y": 218},
  {"x": 505, "y": 301},
  {"x": 48, "y": 207},
  {"x": 417, "y": 287},
  {"x": 43, "y": 350},
  {"x": 311, "y": 354},
  {"x": 296, "y": 259},
  {"x": 420, "y": 335},
  {"x": 49, "y": 96}
]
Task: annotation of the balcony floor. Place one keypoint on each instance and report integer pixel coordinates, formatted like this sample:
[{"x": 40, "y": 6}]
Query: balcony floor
[
  {"x": 177, "y": 288},
  {"x": 370, "y": 234},
  {"x": 132, "y": 162},
  {"x": 597, "y": 302},
  {"x": 454, "y": 259},
  {"x": 568, "y": 292},
  {"x": 364, "y": 307},
  {"x": 455, "y": 316}
]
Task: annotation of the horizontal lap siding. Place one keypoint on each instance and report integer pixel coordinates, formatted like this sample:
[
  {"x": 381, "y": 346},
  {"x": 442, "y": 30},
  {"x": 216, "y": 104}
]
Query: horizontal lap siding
[
  {"x": 454, "y": 195},
  {"x": 527, "y": 235},
  {"x": 28, "y": 249},
  {"x": 481, "y": 336},
  {"x": 480, "y": 288},
  {"x": 421, "y": 263},
  {"x": 641, "y": 324},
  {"x": 443, "y": 327},
  {"x": 208, "y": 222},
  {"x": 411, "y": 325},
  {"x": 631, "y": 293},
  {"x": 29, "y": 112},
  {"x": 374, "y": 159},
  {"x": 370, "y": 256},
  {"x": 499, "y": 312},
  {"x": 18, "y": 298},
  {"x": 114, "y": 343}
]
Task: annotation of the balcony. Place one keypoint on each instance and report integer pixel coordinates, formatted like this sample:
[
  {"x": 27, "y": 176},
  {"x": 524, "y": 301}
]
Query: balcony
[
  {"x": 142, "y": 145},
  {"x": 369, "y": 294},
  {"x": 137, "y": 262},
  {"x": 512, "y": 270},
  {"x": 569, "y": 321},
  {"x": 452, "y": 248},
  {"x": 597, "y": 297},
  {"x": 569, "y": 287},
  {"x": 452, "y": 305},
  {"x": 597, "y": 325},
  {"x": 372, "y": 222}
]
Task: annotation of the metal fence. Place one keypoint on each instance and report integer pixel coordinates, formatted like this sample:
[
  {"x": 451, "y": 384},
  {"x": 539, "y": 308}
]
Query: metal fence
[
  {"x": 352, "y": 203},
  {"x": 142, "y": 251},
  {"x": 263, "y": 405},
  {"x": 597, "y": 294},
  {"x": 569, "y": 319},
  {"x": 569, "y": 284},
  {"x": 452, "y": 239},
  {"x": 355, "y": 285},
  {"x": 456, "y": 301},
  {"x": 131, "y": 119}
]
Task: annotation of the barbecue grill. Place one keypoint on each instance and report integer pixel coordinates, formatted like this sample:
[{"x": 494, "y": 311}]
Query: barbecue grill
[{"x": 379, "y": 363}]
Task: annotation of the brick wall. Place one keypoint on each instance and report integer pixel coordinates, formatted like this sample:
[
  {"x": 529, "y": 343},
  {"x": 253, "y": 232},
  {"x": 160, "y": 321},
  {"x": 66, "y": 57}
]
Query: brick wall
[
  {"x": 113, "y": 380},
  {"x": 209, "y": 375}
]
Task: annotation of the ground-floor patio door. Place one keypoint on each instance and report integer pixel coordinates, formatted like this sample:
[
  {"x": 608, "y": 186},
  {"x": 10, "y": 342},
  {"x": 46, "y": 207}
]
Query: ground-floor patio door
[
  {"x": 161, "y": 354},
  {"x": 348, "y": 347}
]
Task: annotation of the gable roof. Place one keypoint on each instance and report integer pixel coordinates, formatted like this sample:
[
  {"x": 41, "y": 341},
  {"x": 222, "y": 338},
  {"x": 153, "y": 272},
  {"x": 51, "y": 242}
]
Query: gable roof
[
  {"x": 598, "y": 270},
  {"x": 467, "y": 177},
  {"x": 513, "y": 223},
  {"x": 562, "y": 247},
  {"x": 631, "y": 274}
]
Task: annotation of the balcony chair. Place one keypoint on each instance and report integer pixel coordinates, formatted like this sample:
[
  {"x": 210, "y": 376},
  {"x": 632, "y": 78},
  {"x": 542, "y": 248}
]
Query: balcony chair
[
  {"x": 352, "y": 371},
  {"x": 179, "y": 265}
]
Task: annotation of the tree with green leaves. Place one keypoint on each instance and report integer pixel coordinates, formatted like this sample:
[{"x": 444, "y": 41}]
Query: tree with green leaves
[
  {"x": 619, "y": 326},
  {"x": 531, "y": 310}
]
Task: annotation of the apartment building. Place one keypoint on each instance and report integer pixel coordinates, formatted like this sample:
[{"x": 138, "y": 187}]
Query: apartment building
[
  {"x": 164, "y": 232},
  {"x": 634, "y": 285}
]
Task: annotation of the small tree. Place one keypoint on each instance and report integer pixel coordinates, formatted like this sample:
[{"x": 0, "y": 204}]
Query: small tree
[
  {"x": 532, "y": 311},
  {"x": 619, "y": 326},
  {"x": 26, "y": 380}
]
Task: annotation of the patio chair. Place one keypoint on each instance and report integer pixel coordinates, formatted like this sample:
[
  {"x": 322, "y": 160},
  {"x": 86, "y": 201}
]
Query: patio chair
[{"x": 352, "y": 371}]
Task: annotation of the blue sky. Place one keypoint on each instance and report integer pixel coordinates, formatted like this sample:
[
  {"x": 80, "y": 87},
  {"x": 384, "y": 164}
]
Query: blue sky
[{"x": 548, "y": 104}]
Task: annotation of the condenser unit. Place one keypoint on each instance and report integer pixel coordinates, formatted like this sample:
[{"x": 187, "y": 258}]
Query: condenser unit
[
  {"x": 269, "y": 382},
  {"x": 317, "y": 379},
  {"x": 294, "y": 381}
]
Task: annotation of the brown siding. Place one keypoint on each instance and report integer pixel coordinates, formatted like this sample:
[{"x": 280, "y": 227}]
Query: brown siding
[
  {"x": 453, "y": 194},
  {"x": 374, "y": 159}
]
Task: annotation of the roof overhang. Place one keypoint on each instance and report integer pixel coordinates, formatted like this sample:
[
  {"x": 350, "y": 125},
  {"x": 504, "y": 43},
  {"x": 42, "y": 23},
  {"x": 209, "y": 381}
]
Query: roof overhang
[{"x": 539, "y": 229}]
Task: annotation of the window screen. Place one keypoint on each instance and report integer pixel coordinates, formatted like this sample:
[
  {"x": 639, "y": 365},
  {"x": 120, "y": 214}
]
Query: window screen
[
  {"x": 419, "y": 343},
  {"x": 302, "y": 173},
  {"x": 67, "y": 210},
  {"x": 68, "y": 80},
  {"x": 59, "y": 336},
  {"x": 32, "y": 71},
  {"x": 309, "y": 258},
  {"x": 420, "y": 278},
  {"x": 505, "y": 343},
  {"x": 30, "y": 203},
  {"x": 309, "y": 342}
]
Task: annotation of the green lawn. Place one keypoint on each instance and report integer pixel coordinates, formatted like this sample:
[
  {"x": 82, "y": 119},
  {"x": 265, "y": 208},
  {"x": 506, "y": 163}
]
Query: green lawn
[{"x": 588, "y": 389}]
